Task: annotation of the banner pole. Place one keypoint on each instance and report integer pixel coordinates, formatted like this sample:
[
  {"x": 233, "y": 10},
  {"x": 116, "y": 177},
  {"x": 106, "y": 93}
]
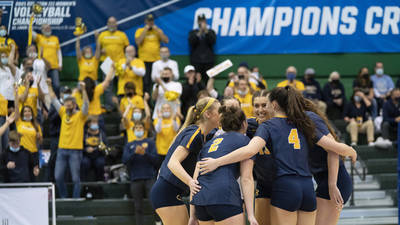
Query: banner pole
[{"x": 398, "y": 171}]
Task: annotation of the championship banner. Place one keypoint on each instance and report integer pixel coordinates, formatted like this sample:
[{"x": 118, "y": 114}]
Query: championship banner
[
  {"x": 242, "y": 27},
  {"x": 24, "y": 206}
]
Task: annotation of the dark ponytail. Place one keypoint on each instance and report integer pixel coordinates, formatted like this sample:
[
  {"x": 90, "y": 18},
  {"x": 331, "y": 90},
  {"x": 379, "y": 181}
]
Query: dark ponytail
[
  {"x": 290, "y": 101},
  {"x": 90, "y": 86}
]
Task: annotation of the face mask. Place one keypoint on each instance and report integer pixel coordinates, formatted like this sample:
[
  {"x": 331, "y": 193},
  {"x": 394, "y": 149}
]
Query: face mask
[
  {"x": 335, "y": 82},
  {"x": 30, "y": 83},
  {"x": 291, "y": 76},
  {"x": 310, "y": 77},
  {"x": 357, "y": 98},
  {"x": 27, "y": 118},
  {"x": 32, "y": 55},
  {"x": 165, "y": 79},
  {"x": 112, "y": 29},
  {"x": 3, "y": 33},
  {"x": 364, "y": 76},
  {"x": 88, "y": 55},
  {"x": 94, "y": 126},
  {"x": 4, "y": 61},
  {"x": 69, "y": 112},
  {"x": 46, "y": 33},
  {"x": 66, "y": 96},
  {"x": 241, "y": 77},
  {"x": 379, "y": 71},
  {"x": 137, "y": 116},
  {"x": 139, "y": 134},
  {"x": 166, "y": 114},
  {"x": 129, "y": 94},
  {"x": 14, "y": 149},
  {"x": 164, "y": 56},
  {"x": 242, "y": 93}
]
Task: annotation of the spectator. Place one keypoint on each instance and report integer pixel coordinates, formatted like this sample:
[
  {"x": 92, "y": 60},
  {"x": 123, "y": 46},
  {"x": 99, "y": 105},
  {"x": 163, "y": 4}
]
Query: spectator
[
  {"x": 165, "y": 61},
  {"x": 243, "y": 72},
  {"x": 130, "y": 97},
  {"x": 334, "y": 97},
  {"x": 70, "y": 144},
  {"x": 391, "y": 116},
  {"x": 87, "y": 62},
  {"x": 6, "y": 42},
  {"x": 8, "y": 77},
  {"x": 191, "y": 88},
  {"x": 364, "y": 84},
  {"x": 257, "y": 78},
  {"x": 398, "y": 83},
  {"x": 228, "y": 91},
  {"x": 112, "y": 44},
  {"x": 201, "y": 42},
  {"x": 383, "y": 84},
  {"x": 93, "y": 156},
  {"x": 167, "y": 91},
  {"x": 291, "y": 73},
  {"x": 357, "y": 115},
  {"x": 28, "y": 94},
  {"x": 4, "y": 129},
  {"x": 49, "y": 45},
  {"x": 166, "y": 126},
  {"x": 148, "y": 39},
  {"x": 245, "y": 96},
  {"x": 130, "y": 69},
  {"x": 18, "y": 162},
  {"x": 313, "y": 89},
  {"x": 141, "y": 158},
  {"x": 203, "y": 94},
  {"x": 138, "y": 115}
]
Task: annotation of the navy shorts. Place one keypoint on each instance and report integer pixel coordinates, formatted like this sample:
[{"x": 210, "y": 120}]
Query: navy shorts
[
  {"x": 164, "y": 194},
  {"x": 217, "y": 212},
  {"x": 263, "y": 190},
  {"x": 292, "y": 193},
  {"x": 343, "y": 183}
]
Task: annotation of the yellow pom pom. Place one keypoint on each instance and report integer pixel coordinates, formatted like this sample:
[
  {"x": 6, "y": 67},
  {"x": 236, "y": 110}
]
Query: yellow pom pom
[{"x": 171, "y": 95}]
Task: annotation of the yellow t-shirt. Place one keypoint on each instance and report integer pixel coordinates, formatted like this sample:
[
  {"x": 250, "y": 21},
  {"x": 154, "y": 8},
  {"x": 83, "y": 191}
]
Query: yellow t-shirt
[
  {"x": 28, "y": 132},
  {"x": 50, "y": 47},
  {"x": 253, "y": 85},
  {"x": 129, "y": 75},
  {"x": 113, "y": 43},
  {"x": 137, "y": 102},
  {"x": 149, "y": 50},
  {"x": 296, "y": 84},
  {"x": 6, "y": 47},
  {"x": 246, "y": 103},
  {"x": 3, "y": 106},
  {"x": 31, "y": 99},
  {"x": 95, "y": 104},
  {"x": 131, "y": 134},
  {"x": 166, "y": 136},
  {"x": 71, "y": 133},
  {"x": 88, "y": 68}
]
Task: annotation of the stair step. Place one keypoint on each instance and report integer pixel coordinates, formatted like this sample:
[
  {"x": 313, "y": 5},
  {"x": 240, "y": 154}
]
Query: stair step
[
  {"x": 368, "y": 212},
  {"x": 383, "y": 202},
  {"x": 369, "y": 195},
  {"x": 369, "y": 221},
  {"x": 374, "y": 185}
]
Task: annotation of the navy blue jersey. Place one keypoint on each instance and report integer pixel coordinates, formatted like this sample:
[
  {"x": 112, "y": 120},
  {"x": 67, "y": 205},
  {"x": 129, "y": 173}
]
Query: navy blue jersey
[
  {"x": 288, "y": 146},
  {"x": 220, "y": 186},
  {"x": 252, "y": 127},
  {"x": 192, "y": 139}
]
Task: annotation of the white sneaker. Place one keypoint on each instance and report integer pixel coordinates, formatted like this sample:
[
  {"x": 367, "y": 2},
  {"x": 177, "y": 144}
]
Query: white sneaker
[
  {"x": 371, "y": 144},
  {"x": 387, "y": 142},
  {"x": 158, "y": 223},
  {"x": 353, "y": 144}
]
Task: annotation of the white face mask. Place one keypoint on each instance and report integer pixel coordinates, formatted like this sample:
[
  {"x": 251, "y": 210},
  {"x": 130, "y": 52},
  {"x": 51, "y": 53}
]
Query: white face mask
[
  {"x": 32, "y": 55},
  {"x": 242, "y": 93},
  {"x": 3, "y": 33},
  {"x": 88, "y": 55},
  {"x": 379, "y": 71},
  {"x": 166, "y": 114},
  {"x": 4, "y": 61},
  {"x": 46, "y": 33},
  {"x": 164, "y": 56}
]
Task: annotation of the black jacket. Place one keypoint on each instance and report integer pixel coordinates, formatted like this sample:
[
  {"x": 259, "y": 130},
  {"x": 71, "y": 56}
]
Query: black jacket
[
  {"x": 24, "y": 163},
  {"x": 201, "y": 48}
]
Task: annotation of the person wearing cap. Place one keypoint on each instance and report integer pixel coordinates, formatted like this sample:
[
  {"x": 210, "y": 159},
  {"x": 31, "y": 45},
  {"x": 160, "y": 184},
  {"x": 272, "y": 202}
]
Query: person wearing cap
[
  {"x": 291, "y": 73},
  {"x": 191, "y": 88},
  {"x": 201, "y": 42},
  {"x": 313, "y": 89},
  {"x": 70, "y": 143},
  {"x": 165, "y": 61},
  {"x": 334, "y": 97},
  {"x": 148, "y": 40}
]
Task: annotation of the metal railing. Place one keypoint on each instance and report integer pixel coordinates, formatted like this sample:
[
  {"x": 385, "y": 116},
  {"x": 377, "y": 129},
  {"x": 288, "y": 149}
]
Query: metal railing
[{"x": 354, "y": 171}]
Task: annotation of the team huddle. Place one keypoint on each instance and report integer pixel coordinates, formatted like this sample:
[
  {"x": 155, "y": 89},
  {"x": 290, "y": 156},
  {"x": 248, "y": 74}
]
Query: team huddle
[{"x": 219, "y": 155}]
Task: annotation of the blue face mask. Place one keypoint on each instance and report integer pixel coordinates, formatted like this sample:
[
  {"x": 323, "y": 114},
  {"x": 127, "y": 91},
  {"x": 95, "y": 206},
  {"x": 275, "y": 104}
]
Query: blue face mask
[
  {"x": 26, "y": 118},
  {"x": 3, "y": 33},
  {"x": 94, "y": 126},
  {"x": 4, "y": 61},
  {"x": 357, "y": 98},
  {"x": 14, "y": 149},
  {"x": 137, "y": 116},
  {"x": 290, "y": 76},
  {"x": 139, "y": 134}
]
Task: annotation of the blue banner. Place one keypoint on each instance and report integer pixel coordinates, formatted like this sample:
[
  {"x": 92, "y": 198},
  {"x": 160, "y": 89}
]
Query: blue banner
[{"x": 242, "y": 27}]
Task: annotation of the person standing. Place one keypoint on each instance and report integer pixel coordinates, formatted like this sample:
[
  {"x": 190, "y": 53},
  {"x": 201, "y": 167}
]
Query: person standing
[
  {"x": 202, "y": 41},
  {"x": 148, "y": 40},
  {"x": 87, "y": 61},
  {"x": 112, "y": 44},
  {"x": 165, "y": 61}
]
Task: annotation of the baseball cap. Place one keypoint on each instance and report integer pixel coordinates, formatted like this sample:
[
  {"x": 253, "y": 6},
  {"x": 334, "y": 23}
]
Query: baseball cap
[
  {"x": 189, "y": 68},
  {"x": 309, "y": 71},
  {"x": 149, "y": 17}
]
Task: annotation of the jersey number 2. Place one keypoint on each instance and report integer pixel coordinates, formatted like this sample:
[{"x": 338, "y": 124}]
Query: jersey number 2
[
  {"x": 294, "y": 139},
  {"x": 214, "y": 145}
]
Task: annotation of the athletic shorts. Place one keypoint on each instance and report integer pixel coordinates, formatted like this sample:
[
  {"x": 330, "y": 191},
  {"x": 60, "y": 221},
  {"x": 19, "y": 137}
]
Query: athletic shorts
[
  {"x": 164, "y": 194},
  {"x": 343, "y": 183},
  {"x": 217, "y": 212},
  {"x": 292, "y": 193},
  {"x": 263, "y": 190}
]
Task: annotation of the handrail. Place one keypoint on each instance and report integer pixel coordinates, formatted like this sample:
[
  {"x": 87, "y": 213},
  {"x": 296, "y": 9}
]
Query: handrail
[{"x": 362, "y": 175}]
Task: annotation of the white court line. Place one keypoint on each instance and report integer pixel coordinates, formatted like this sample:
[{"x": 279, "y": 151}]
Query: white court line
[{"x": 122, "y": 21}]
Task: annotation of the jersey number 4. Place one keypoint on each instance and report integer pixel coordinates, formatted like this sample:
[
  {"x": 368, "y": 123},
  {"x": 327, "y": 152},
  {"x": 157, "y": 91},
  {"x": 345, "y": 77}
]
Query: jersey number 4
[
  {"x": 294, "y": 139},
  {"x": 214, "y": 145}
]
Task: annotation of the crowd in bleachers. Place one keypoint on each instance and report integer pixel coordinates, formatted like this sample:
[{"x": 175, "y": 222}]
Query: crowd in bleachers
[{"x": 150, "y": 99}]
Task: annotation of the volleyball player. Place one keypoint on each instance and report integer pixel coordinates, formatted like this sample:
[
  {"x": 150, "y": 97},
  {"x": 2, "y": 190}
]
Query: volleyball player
[
  {"x": 178, "y": 167},
  {"x": 288, "y": 135},
  {"x": 213, "y": 203}
]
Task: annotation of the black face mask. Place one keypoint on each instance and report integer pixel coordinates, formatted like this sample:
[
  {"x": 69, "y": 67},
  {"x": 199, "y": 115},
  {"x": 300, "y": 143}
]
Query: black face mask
[
  {"x": 241, "y": 77},
  {"x": 165, "y": 79},
  {"x": 30, "y": 83},
  {"x": 365, "y": 76},
  {"x": 335, "y": 82},
  {"x": 129, "y": 94}
]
